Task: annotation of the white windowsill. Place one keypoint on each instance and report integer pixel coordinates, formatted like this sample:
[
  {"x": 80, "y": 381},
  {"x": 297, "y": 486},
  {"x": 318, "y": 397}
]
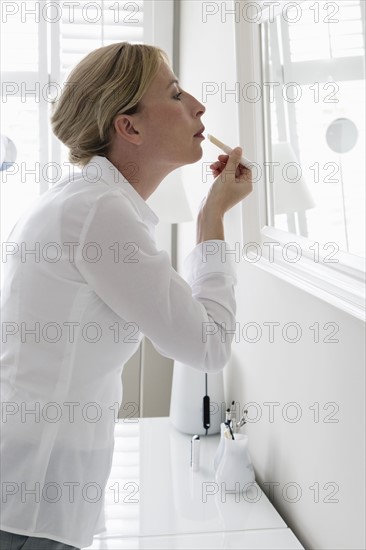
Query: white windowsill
[{"x": 341, "y": 284}]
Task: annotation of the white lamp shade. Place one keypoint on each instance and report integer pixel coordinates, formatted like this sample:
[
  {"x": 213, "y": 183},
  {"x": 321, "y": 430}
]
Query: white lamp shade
[
  {"x": 290, "y": 193},
  {"x": 169, "y": 200}
]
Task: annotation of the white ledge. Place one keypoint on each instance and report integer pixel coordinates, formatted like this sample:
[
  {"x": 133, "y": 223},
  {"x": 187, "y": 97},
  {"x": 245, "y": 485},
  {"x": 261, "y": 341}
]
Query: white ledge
[{"x": 340, "y": 284}]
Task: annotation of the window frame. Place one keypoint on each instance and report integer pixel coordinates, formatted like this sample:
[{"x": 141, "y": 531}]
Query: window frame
[{"x": 342, "y": 283}]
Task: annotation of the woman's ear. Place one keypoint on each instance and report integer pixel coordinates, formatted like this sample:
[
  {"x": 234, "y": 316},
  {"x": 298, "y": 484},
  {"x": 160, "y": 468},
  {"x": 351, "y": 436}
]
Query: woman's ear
[{"x": 125, "y": 127}]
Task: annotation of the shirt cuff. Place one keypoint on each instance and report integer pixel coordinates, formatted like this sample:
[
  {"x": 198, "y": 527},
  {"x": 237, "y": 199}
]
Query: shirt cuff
[{"x": 209, "y": 257}]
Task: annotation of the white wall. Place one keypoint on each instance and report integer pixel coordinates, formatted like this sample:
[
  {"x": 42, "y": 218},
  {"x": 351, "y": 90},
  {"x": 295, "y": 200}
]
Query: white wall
[
  {"x": 305, "y": 453},
  {"x": 312, "y": 450}
]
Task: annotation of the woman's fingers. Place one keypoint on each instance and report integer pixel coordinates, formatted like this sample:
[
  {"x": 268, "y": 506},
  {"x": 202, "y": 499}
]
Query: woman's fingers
[
  {"x": 240, "y": 170},
  {"x": 222, "y": 160},
  {"x": 219, "y": 165}
]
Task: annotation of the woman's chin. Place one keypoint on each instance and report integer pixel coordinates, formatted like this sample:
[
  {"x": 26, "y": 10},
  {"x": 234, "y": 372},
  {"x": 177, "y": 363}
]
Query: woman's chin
[
  {"x": 193, "y": 157},
  {"x": 198, "y": 154}
]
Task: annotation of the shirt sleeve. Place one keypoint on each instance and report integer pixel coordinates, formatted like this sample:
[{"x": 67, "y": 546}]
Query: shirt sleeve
[{"x": 190, "y": 320}]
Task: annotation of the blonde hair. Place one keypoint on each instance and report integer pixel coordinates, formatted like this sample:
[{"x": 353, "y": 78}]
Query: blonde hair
[{"x": 109, "y": 81}]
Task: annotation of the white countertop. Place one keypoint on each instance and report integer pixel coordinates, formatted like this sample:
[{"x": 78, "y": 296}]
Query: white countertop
[{"x": 155, "y": 500}]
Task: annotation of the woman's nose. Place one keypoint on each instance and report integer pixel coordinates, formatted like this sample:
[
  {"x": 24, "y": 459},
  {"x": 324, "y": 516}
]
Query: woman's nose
[{"x": 199, "y": 108}]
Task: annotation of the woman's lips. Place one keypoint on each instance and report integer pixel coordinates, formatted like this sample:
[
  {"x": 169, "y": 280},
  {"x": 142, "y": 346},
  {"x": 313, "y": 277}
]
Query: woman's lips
[{"x": 200, "y": 133}]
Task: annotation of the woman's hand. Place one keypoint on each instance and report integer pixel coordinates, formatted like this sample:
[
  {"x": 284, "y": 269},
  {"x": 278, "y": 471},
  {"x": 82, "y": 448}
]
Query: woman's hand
[{"x": 232, "y": 184}]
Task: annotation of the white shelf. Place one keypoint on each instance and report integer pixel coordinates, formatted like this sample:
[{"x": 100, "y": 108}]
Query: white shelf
[{"x": 166, "y": 505}]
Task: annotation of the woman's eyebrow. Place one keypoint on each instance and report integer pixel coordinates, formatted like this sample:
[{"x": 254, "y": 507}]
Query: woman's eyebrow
[{"x": 173, "y": 82}]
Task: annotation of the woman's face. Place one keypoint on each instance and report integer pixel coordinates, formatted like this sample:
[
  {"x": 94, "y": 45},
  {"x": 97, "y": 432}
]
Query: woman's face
[{"x": 169, "y": 121}]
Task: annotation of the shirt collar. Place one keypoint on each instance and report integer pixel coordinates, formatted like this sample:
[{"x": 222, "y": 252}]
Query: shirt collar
[{"x": 113, "y": 177}]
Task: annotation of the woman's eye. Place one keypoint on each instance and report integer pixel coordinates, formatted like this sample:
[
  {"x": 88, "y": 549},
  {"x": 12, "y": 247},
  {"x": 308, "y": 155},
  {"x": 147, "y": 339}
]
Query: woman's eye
[{"x": 178, "y": 96}]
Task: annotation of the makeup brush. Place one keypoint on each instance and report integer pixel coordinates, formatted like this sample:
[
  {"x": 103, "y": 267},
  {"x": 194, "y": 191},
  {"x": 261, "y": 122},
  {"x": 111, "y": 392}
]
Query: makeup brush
[{"x": 244, "y": 161}]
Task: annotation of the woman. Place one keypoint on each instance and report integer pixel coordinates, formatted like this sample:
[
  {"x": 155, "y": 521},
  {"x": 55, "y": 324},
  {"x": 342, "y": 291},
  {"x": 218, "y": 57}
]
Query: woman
[{"x": 84, "y": 281}]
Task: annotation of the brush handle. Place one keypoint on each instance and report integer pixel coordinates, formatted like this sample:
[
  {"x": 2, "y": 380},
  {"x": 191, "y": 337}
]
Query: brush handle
[{"x": 244, "y": 161}]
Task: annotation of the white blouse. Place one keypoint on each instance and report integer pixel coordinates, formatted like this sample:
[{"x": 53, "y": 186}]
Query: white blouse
[{"x": 83, "y": 281}]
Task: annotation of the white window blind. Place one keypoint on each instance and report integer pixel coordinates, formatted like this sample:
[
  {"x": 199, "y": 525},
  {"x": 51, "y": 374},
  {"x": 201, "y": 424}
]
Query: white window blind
[
  {"x": 267, "y": 9},
  {"x": 308, "y": 41},
  {"x": 93, "y": 24}
]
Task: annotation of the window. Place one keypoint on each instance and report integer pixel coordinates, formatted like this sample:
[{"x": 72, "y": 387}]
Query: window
[
  {"x": 308, "y": 140},
  {"x": 316, "y": 123}
]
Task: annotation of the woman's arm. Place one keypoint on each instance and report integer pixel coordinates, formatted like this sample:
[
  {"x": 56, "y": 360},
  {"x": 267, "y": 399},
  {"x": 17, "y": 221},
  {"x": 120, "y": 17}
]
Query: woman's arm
[
  {"x": 185, "y": 319},
  {"x": 232, "y": 184}
]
